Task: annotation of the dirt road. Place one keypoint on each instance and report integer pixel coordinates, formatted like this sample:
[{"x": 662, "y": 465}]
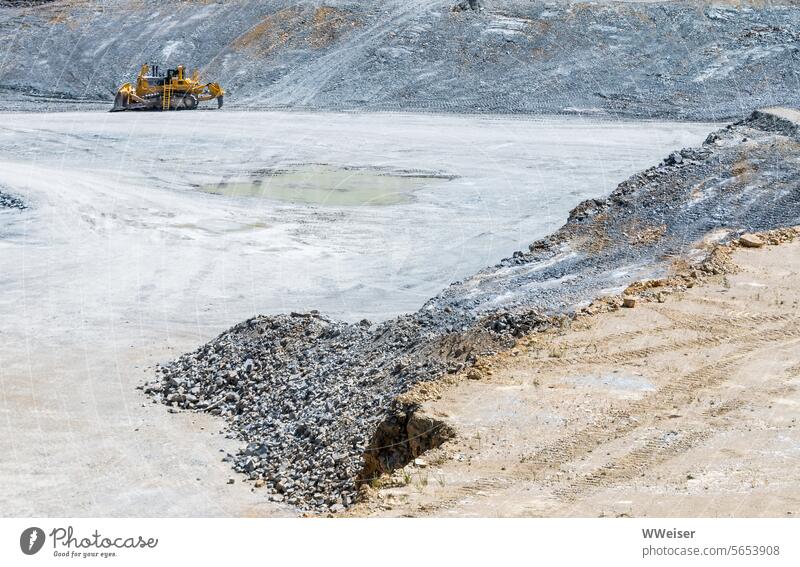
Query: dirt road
[{"x": 681, "y": 408}]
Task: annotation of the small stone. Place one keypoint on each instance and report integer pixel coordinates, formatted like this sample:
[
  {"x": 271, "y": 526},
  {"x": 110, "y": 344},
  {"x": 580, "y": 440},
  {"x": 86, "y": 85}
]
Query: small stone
[
  {"x": 474, "y": 375},
  {"x": 259, "y": 483},
  {"x": 629, "y": 302},
  {"x": 231, "y": 480},
  {"x": 421, "y": 463},
  {"x": 674, "y": 158},
  {"x": 750, "y": 241}
]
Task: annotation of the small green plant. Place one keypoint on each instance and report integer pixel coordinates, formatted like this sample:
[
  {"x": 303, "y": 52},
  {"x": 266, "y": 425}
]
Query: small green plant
[
  {"x": 422, "y": 481},
  {"x": 406, "y": 477}
]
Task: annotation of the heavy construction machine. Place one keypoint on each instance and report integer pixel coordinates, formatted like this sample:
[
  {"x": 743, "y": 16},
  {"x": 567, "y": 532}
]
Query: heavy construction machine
[{"x": 170, "y": 90}]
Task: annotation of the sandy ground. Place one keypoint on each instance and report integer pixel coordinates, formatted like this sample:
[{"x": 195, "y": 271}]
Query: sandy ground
[
  {"x": 121, "y": 263},
  {"x": 683, "y": 408}
]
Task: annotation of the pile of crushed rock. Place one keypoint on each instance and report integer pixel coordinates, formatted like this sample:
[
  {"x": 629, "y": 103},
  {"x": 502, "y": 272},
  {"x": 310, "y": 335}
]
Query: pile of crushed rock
[
  {"x": 305, "y": 393},
  {"x": 9, "y": 201}
]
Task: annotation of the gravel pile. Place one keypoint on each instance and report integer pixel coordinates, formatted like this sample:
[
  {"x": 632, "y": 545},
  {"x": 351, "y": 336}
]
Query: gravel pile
[
  {"x": 306, "y": 394},
  {"x": 8, "y": 201}
]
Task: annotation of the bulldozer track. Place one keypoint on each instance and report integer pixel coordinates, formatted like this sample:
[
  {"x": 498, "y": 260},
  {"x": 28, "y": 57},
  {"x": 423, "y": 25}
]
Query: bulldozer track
[
  {"x": 472, "y": 489},
  {"x": 626, "y": 356},
  {"x": 659, "y": 447},
  {"x": 680, "y": 322},
  {"x": 633, "y": 464},
  {"x": 708, "y": 326},
  {"x": 626, "y": 336},
  {"x": 728, "y": 318}
]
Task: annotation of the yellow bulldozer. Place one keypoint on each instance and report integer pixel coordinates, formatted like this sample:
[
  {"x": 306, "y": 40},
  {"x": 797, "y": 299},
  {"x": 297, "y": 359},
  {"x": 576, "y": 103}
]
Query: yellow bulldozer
[{"x": 170, "y": 90}]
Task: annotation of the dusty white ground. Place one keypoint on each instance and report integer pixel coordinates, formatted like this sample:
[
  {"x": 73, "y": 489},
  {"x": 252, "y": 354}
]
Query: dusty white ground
[{"x": 120, "y": 263}]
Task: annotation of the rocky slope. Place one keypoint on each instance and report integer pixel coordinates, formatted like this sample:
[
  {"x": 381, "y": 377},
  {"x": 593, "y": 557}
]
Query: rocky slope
[
  {"x": 314, "y": 399},
  {"x": 698, "y": 60}
]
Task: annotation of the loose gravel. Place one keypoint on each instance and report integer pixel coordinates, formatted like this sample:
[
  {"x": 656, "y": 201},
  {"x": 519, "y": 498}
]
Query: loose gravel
[{"x": 9, "y": 201}]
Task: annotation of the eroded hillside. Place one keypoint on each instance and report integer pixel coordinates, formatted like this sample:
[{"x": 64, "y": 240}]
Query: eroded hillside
[{"x": 693, "y": 60}]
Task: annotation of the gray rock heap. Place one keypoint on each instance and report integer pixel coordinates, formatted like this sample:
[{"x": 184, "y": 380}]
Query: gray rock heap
[{"x": 9, "y": 201}]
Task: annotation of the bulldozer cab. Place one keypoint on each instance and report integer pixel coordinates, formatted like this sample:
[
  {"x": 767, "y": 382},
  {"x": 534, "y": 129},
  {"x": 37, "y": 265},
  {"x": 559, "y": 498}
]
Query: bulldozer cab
[
  {"x": 156, "y": 77},
  {"x": 176, "y": 73}
]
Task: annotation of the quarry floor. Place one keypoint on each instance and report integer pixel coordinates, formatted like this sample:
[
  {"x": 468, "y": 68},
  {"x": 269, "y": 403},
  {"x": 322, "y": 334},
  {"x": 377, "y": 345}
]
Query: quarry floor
[
  {"x": 681, "y": 408},
  {"x": 121, "y": 262}
]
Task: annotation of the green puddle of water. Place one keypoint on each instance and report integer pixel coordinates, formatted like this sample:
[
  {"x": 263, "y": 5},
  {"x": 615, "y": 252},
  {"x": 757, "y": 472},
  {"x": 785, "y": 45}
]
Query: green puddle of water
[{"x": 327, "y": 185}]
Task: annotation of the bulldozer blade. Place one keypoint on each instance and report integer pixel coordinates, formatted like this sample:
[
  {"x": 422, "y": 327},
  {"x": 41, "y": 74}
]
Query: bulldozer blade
[
  {"x": 119, "y": 103},
  {"x": 219, "y": 102}
]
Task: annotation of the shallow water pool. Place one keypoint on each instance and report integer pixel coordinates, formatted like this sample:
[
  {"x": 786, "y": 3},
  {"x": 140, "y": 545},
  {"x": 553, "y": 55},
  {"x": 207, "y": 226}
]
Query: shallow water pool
[{"x": 329, "y": 185}]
